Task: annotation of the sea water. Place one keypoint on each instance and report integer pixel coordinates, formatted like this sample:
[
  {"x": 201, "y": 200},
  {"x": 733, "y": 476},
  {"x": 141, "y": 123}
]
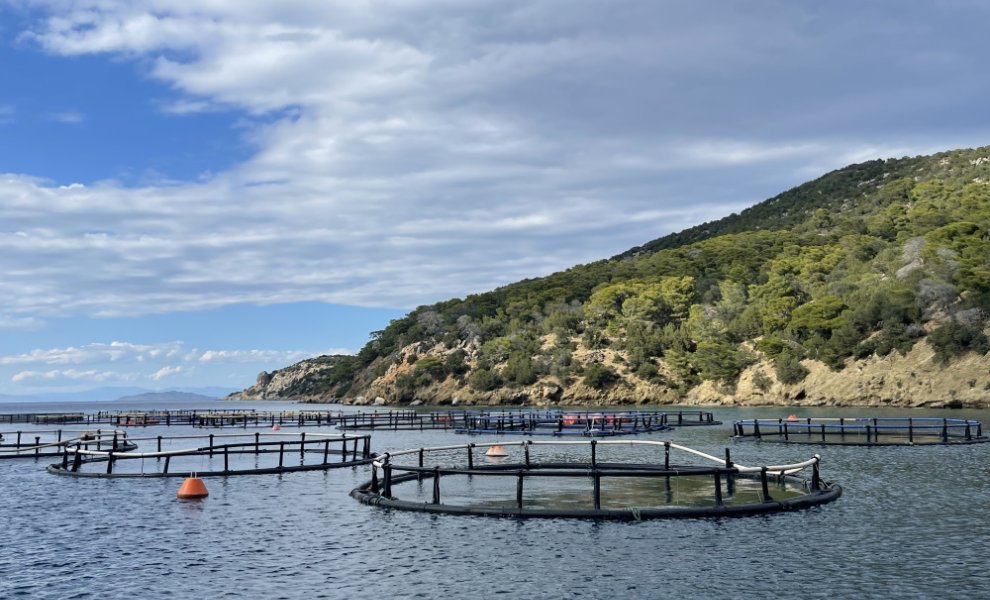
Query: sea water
[{"x": 912, "y": 523}]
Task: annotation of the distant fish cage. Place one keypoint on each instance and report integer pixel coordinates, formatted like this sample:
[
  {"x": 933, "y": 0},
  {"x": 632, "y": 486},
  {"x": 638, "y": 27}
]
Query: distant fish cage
[
  {"x": 581, "y": 423},
  {"x": 862, "y": 431},
  {"x": 525, "y": 421},
  {"x": 402, "y": 420},
  {"x": 72, "y": 418},
  {"x": 46, "y": 443},
  {"x": 249, "y": 419},
  {"x": 475, "y": 484},
  {"x": 197, "y": 418},
  {"x": 224, "y": 455}
]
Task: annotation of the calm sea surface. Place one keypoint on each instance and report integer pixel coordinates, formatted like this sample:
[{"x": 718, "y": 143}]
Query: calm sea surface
[{"x": 912, "y": 523}]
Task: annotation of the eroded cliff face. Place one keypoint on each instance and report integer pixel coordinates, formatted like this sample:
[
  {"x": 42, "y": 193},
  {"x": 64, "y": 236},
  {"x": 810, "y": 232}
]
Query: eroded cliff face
[{"x": 912, "y": 380}]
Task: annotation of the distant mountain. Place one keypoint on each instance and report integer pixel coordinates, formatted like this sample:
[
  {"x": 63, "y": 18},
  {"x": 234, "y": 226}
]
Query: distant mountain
[
  {"x": 869, "y": 285},
  {"x": 94, "y": 395},
  {"x": 12, "y": 398},
  {"x": 212, "y": 392},
  {"x": 107, "y": 394},
  {"x": 165, "y": 397}
]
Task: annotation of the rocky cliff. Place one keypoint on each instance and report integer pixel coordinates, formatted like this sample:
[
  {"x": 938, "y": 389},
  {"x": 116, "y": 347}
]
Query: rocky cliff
[
  {"x": 312, "y": 380},
  {"x": 915, "y": 379}
]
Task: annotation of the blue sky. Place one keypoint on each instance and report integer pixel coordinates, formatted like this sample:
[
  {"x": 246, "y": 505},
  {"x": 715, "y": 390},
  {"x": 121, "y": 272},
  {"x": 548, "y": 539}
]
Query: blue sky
[{"x": 193, "y": 192}]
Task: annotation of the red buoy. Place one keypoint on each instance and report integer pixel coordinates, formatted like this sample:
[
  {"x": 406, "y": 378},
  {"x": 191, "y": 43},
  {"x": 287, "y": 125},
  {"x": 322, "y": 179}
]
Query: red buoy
[
  {"x": 276, "y": 427},
  {"x": 192, "y": 488}
]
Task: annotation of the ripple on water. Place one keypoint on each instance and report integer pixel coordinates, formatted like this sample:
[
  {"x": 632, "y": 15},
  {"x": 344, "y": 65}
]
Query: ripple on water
[{"x": 910, "y": 524}]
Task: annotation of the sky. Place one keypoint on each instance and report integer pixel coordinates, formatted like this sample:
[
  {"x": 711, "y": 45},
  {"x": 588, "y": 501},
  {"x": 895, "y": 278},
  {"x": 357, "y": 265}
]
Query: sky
[{"x": 192, "y": 192}]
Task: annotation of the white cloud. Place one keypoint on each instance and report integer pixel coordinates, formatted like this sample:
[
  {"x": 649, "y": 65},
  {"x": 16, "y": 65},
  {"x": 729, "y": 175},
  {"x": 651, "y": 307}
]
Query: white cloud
[
  {"x": 22, "y": 323},
  {"x": 69, "y": 117},
  {"x": 187, "y": 107},
  {"x": 71, "y": 374},
  {"x": 409, "y": 151},
  {"x": 168, "y": 371},
  {"x": 252, "y": 356},
  {"x": 94, "y": 353},
  {"x": 146, "y": 365},
  {"x": 129, "y": 353}
]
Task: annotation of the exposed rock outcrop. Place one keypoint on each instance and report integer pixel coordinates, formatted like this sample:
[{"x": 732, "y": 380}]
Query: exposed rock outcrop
[
  {"x": 912, "y": 380},
  {"x": 305, "y": 381}
]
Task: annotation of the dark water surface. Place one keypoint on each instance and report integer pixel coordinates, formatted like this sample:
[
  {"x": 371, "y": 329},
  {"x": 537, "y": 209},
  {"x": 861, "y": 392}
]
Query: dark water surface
[{"x": 912, "y": 523}]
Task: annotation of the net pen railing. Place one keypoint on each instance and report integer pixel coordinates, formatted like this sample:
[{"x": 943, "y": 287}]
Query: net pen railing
[
  {"x": 51, "y": 442},
  {"x": 257, "y": 419},
  {"x": 862, "y": 430},
  {"x": 392, "y": 469},
  {"x": 402, "y": 420},
  {"x": 212, "y": 417},
  {"x": 311, "y": 451},
  {"x": 563, "y": 423}
]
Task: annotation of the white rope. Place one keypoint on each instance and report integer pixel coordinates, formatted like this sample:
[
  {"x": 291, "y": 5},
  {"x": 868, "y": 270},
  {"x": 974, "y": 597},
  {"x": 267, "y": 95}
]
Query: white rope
[{"x": 784, "y": 469}]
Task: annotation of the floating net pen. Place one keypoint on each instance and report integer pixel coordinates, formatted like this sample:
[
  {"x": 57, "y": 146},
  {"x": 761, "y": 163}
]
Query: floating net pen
[
  {"x": 589, "y": 479},
  {"x": 226, "y": 454},
  {"x": 862, "y": 431},
  {"x": 42, "y": 443}
]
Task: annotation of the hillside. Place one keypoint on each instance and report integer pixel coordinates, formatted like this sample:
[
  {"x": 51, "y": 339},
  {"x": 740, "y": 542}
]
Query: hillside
[{"x": 868, "y": 285}]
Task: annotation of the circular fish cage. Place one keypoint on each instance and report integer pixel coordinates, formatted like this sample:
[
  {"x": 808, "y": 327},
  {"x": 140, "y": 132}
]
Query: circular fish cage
[
  {"x": 224, "y": 455},
  {"x": 579, "y": 423},
  {"x": 402, "y": 420},
  {"x": 862, "y": 431},
  {"x": 47, "y": 443},
  {"x": 582, "y": 480},
  {"x": 63, "y": 418},
  {"x": 259, "y": 419}
]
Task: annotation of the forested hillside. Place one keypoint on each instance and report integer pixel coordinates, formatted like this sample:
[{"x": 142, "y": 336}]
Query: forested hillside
[{"x": 861, "y": 263}]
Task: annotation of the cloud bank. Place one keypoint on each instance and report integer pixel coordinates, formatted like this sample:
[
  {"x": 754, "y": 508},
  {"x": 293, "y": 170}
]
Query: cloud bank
[
  {"x": 125, "y": 362},
  {"x": 409, "y": 151}
]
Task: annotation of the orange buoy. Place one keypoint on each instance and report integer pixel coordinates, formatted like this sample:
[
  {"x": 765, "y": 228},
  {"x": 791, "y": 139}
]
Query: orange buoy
[
  {"x": 276, "y": 427},
  {"x": 792, "y": 417},
  {"x": 496, "y": 451},
  {"x": 192, "y": 488}
]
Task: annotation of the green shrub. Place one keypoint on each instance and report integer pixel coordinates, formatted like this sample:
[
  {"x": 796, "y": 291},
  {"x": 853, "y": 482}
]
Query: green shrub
[
  {"x": 429, "y": 368},
  {"x": 519, "y": 370},
  {"x": 599, "y": 376},
  {"x": 405, "y": 387},
  {"x": 594, "y": 338},
  {"x": 954, "y": 339},
  {"x": 483, "y": 380},
  {"x": 762, "y": 382},
  {"x": 497, "y": 349},
  {"x": 720, "y": 361},
  {"x": 455, "y": 363},
  {"x": 893, "y": 336},
  {"x": 789, "y": 369},
  {"x": 647, "y": 371}
]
